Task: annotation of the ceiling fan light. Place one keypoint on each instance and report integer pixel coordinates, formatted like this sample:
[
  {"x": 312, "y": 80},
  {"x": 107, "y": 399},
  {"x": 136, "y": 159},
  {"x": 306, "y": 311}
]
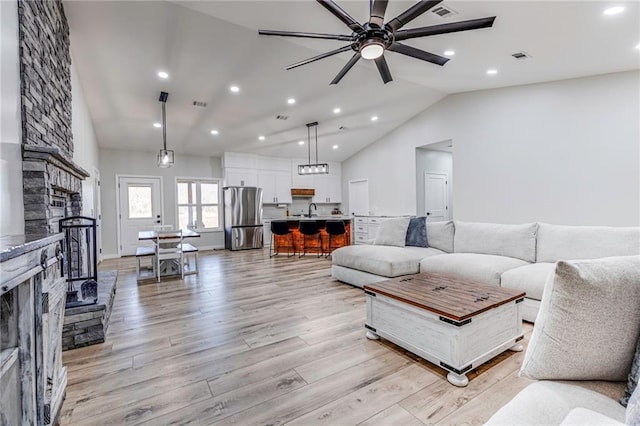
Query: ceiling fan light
[{"x": 372, "y": 49}]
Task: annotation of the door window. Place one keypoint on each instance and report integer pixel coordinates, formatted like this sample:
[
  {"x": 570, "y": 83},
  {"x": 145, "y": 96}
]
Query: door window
[{"x": 140, "y": 202}]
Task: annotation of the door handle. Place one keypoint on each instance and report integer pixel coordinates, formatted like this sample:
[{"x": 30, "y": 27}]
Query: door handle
[
  {"x": 428, "y": 214},
  {"x": 157, "y": 221}
]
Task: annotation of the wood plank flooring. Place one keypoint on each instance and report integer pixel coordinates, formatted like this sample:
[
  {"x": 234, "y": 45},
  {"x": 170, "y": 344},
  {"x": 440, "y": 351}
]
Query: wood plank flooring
[{"x": 253, "y": 341}]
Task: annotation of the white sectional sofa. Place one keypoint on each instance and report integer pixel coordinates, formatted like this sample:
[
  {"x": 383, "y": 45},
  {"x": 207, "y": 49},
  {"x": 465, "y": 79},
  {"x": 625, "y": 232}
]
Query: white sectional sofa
[{"x": 512, "y": 256}]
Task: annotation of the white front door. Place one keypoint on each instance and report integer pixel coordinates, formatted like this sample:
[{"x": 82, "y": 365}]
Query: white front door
[
  {"x": 140, "y": 209},
  {"x": 435, "y": 197}
]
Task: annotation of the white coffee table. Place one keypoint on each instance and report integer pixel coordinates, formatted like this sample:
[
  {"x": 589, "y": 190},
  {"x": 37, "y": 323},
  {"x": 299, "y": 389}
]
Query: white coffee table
[{"x": 453, "y": 323}]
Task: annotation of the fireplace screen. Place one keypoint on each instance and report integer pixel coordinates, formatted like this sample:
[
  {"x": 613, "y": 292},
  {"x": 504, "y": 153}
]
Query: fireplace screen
[{"x": 80, "y": 260}]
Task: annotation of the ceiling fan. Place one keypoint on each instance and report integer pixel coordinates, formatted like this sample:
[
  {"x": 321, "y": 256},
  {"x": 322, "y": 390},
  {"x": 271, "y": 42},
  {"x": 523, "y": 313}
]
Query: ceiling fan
[{"x": 371, "y": 39}]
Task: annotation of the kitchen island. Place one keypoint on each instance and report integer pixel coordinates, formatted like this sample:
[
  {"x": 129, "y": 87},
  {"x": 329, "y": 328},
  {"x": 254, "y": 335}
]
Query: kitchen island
[{"x": 283, "y": 243}]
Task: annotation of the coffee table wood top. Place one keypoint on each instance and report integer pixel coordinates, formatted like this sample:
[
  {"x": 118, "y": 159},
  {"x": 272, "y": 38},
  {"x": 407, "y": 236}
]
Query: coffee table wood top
[{"x": 443, "y": 295}]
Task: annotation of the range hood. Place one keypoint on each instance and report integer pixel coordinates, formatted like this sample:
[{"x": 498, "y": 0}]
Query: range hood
[{"x": 303, "y": 192}]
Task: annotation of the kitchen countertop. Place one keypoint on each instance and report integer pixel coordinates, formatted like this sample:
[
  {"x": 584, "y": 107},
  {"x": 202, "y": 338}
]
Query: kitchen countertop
[{"x": 323, "y": 217}]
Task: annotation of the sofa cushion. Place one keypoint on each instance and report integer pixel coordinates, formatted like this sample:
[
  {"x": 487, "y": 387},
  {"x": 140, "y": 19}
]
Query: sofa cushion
[
  {"x": 584, "y": 304},
  {"x": 387, "y": 261},
  {"x": 417, "y": 232},
  {"x": 634, "y": 376},
  {"x": 480, "y": 268},
  {"x": 440, "y": 235},
  {"x": 584, "y": 416},
  {"x": 517, "y": 241},
  {"x": 528, "y": 278},
  {"x": 632, "y": 414},
  {"x": 548, "y": 403},
  {"x": 392, "y": 232},
  {"x": 559, "y": 242}
]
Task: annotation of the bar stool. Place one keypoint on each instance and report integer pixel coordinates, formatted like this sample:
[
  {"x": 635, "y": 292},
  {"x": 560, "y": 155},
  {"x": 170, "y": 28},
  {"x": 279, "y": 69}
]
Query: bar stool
[
  {"x": 335, "y": 228},
  {"x": 309, "y": 228},
  {"x": 280, "y": 228}
]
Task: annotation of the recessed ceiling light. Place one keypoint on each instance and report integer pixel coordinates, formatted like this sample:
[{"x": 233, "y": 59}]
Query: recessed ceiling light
[
  {"x": 374, "y": 118},
  {"x": 614, "y": 10},
  {"x": 291, "y": 101},
  {"x": 336, "y": 110},
  {"x": 234, "y": 89},
  {"x": 214, "y": 132},
  {"x": 335, "y": 147},
  {"x": 157, "y": 125},
  {"x": 449, "y": 53},
  {"x": 261, "y": 138},
  {"x": 163, "y": 74},
  {"x": 300, "y": 142},
  {"x": 492, "y": 72}
]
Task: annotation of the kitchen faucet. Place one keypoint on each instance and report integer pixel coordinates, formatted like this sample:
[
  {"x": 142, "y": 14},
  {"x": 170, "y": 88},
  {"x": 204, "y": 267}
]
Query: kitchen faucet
[{"x": 314, "y": 206}]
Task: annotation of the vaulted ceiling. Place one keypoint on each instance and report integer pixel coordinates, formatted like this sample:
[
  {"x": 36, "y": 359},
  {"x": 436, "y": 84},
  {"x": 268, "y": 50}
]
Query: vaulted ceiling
[{"x": 207, "y": 46}]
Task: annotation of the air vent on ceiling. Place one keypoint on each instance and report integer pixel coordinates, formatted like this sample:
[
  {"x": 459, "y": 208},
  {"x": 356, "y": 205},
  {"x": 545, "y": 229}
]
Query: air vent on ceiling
[
  {"x": 281, "y": 117},
  {"x": 200, "y": 104},
  {"x": 521, "y": 55},
  {"x": 443, "y": 11}
]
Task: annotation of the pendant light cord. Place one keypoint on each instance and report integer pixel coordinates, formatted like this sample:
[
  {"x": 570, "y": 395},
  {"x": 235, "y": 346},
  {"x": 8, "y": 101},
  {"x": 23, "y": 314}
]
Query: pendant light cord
[
  {"x": 316, "y": 128},
  {"x": 164, "y": 127},
  {"x": 309, "y": 144}
]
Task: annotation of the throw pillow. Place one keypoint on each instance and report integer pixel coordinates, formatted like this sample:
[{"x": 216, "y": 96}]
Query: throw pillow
[
  {"x": 392, "y": 232},
  {"x": 440, "y": 235},
  {"x": 588, "y": 323},
  {"x": 632, "y": 414},
  {"x": 417, "y": 232},
  {"x": 634, "y": 377}
]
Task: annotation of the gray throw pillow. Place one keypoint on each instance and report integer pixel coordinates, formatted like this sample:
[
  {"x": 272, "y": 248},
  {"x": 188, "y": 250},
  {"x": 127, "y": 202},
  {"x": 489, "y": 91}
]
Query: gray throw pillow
[
  {"x": 392, "y": 232},
  {"x": 417, "y": 232},
  {"x": 634, "y": 377},
  {"x": 588, "y": 323}
]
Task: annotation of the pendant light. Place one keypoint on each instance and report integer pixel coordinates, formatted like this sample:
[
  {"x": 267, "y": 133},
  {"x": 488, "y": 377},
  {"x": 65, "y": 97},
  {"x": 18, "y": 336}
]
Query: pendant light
[
  {"x": 165, "y": 156},
  {"x": 312, "y": 168}
]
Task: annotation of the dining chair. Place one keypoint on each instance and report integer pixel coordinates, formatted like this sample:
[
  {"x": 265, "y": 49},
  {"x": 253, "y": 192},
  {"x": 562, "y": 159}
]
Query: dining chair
[{"x": 169, "y": 247}]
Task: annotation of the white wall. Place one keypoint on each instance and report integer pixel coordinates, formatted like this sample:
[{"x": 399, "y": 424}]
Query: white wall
[
  {"x": 11, "y": 202},
  {"x": 118, "y": 162},
  {"x": 564, "y": 152},
  {"x": 435, "y": 162},
  {"x": 85, "y": 144}
]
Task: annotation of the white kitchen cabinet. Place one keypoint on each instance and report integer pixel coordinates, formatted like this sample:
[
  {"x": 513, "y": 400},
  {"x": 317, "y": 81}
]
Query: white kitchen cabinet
[
  {"x": 367, "y": 227},
  {"x": 274, "y": 163},
  {"x": 266, "y": 233},
  {"x": 276, "y": 187},
  {"x": 239, "y": 160},
  {"x": 328, "y": 189},
  {"x": 240, "y": 177}
]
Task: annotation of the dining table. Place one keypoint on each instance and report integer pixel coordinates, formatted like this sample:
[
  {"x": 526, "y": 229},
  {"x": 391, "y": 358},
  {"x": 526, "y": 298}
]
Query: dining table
[
  {"x": 169, "y": 267},
  {"x": 152, "y": 235}
]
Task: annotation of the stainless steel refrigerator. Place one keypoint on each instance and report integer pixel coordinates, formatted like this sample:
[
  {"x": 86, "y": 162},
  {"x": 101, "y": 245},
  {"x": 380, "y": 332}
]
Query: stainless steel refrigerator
[{"x": 242, "y": 217}]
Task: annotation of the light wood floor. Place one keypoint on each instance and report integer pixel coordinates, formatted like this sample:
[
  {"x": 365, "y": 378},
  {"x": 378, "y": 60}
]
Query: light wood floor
[{"x": 253, "y": 340}]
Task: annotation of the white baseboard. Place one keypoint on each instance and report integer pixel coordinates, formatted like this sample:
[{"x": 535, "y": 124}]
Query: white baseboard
[
  {"x": 110, "y": 256},
  {"x": 218, "y": 247}
]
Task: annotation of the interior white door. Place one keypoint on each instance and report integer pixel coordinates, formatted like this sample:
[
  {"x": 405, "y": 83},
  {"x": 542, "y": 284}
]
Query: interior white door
[
  {"x": 359, "y": 197},
  {"x": 435, "y": 197},
  {"x": 140, "y": 209},
  {"x": 97, "y": 211}
]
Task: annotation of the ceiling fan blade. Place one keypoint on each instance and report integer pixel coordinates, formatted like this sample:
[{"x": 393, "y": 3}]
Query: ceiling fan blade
[
  {"x": 341, "y": 15},
  {"x": 316, "y": 58},
  {"x": 305, "y": 35},
  {"x": 417, "y": 53},
  {"x": 410, "y": 14},
  {"x": 346, "y": 68},
  {"x": 472, "y": 24},
  {"x": 378, "y": 8},
  {"x": 383, "y": 69}
]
